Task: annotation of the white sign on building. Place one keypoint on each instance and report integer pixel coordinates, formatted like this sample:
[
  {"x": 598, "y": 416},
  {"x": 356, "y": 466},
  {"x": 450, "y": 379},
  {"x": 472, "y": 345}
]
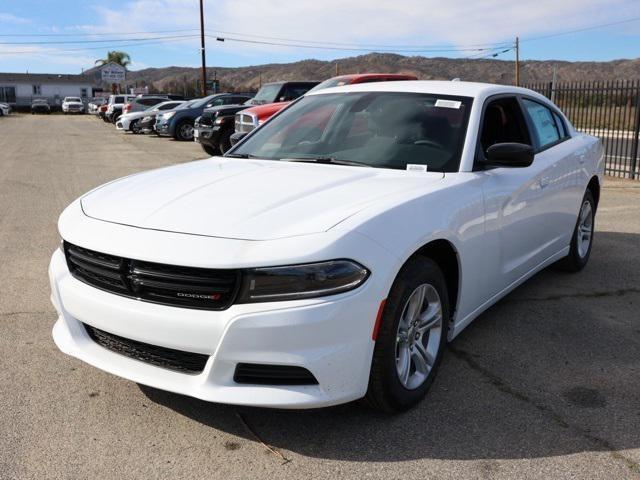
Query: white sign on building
[{"x": 113, "y": 73}]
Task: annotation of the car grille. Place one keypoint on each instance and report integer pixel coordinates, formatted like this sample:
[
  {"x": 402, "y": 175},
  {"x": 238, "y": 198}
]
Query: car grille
[
  {"x": 187, "y": 287},
  {"x": 177, "y": 360},
  {"x": 206, "y": 120},
  {"x": 245, "y": 122},
  {"x": 273, "y": 375}
]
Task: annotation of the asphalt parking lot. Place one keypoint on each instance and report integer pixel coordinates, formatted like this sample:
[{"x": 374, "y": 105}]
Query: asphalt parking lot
[{"x": 544, "y": 385}]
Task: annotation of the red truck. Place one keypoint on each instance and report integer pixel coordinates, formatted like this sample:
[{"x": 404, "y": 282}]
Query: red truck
[{"x": 250, "y": 118}]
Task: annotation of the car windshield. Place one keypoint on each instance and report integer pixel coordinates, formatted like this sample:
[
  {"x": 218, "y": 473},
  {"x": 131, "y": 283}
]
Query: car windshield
[
  {"x": 188, "y": 104},
  {"x": 332, "y": 82},
  {"x": 39, "y": 100},
  {"x": 376, "y": 129},
  {"x": 200, "y": 102},
  {"x": 266, "y": 94},
  {"x": 72, "y": 99}
]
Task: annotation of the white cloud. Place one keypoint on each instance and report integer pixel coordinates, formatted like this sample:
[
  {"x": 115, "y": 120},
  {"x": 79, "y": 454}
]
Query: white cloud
[
  {"x": 417, "y": 22},
  {"x": 10, "y": 18}
]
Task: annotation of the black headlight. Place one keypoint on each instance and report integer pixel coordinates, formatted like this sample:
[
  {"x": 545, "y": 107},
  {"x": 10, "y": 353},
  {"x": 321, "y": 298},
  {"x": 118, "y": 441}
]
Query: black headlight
[{"x": 301, "y": 281}]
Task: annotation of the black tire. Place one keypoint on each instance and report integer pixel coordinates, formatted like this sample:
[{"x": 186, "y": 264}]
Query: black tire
[
  {"x": 134, "y": 127},
  {"x": 225, "y": 141},
  {"x": 115, "y": 118},
  {"x": 386, "y": 392},
  {"x": 578, "y": 258},
  {"x": 210, "y": 150},
  {"x": 180, "y": 132}
]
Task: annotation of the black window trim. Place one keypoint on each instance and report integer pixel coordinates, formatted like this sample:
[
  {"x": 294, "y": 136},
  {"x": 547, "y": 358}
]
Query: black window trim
[
  {"x": 555, "y": 114},
  {"x": 479, "y": 152}
]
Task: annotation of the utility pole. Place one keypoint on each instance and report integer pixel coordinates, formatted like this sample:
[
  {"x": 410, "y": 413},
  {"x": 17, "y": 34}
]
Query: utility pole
[
  {"x": 337, "y": 68},
  {"x": 517, "y": 62},
  {"x": 203, "y": 88}
]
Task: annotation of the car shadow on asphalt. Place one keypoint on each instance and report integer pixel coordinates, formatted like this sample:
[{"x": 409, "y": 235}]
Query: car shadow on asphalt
[{"x": 549, "y": 370}]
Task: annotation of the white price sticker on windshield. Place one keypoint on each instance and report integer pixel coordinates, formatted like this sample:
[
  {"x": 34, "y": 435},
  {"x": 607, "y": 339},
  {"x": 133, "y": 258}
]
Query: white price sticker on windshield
[
  {"x": 448, "y": 103},
  {"x": 412, "y": 167}
]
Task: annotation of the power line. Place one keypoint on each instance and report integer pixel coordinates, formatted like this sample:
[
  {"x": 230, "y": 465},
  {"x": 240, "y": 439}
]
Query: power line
[
  {"x": 102, "y": 47},
  {"x": 345, "y": 44},
  {"x": 80, "y": 42},
  {"x": 577, "y": 30},
  {"x": 352, "y": 49},
  {"x": 93, "y": 34}
]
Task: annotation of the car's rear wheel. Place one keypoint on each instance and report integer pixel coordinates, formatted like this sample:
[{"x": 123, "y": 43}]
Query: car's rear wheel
[
  {"x": 582, "y": 239},
  {"x": 411, "y": 337},
  {"x": 184, "y": 131}
]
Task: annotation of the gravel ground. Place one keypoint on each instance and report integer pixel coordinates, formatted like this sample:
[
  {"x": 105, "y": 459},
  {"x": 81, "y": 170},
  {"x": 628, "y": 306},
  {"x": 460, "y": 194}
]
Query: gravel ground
[{"x": 543, "y": 385}]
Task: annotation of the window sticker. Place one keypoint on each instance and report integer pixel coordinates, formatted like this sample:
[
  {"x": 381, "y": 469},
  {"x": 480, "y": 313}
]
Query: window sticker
[
  {"x": 412, "y": 167},
  {"x": 448, "y": 103}
]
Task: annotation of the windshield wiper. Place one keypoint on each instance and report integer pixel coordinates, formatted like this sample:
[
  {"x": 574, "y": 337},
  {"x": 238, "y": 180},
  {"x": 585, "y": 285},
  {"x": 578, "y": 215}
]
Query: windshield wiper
[{"x": 328, "y": 161}]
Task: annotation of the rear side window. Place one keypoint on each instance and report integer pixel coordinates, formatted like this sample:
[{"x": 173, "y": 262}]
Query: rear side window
[
  {"x": 545, "y": 128},
  {"x": 150, "y": 101}
]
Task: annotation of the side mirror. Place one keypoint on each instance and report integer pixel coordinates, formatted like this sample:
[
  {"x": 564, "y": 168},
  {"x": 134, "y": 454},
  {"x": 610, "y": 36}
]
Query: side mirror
[{"x": 509, "y": 155}]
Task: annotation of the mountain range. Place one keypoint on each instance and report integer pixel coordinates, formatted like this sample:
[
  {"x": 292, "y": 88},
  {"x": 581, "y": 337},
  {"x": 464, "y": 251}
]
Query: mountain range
[{"x": 482, "y": 70}]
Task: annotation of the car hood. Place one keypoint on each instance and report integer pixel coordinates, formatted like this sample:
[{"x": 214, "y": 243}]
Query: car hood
[{"x": 247, "y": 199}]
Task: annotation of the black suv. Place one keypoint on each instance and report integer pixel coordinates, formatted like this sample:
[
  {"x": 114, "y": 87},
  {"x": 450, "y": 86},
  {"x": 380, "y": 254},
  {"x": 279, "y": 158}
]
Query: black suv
[
  {"x": 179, "y": 123},
  {"x": 214, "y": 128}
]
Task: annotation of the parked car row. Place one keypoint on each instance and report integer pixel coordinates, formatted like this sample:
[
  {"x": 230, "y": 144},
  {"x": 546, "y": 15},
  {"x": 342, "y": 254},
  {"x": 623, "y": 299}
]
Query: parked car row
[
  {"x": 220, "y": 128},
  {"x": 220, "y": 120}
]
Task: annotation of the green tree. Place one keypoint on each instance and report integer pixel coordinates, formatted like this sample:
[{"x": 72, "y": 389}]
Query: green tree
[{"x": 121, "y": 58}]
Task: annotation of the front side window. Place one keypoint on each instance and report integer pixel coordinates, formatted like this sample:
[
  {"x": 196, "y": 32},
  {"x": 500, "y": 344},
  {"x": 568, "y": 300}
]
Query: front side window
[
  {"x": 545, "y": 128},
  {"x": 377, "y": 129},
  {"x": 502, "y": 122}
]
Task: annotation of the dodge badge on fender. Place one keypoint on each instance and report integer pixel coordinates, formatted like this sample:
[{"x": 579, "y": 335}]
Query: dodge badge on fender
[{"x": 333, "y": 251}]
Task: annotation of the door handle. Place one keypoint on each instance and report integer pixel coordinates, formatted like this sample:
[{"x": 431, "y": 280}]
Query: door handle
[{"x": 544, "y": 181}]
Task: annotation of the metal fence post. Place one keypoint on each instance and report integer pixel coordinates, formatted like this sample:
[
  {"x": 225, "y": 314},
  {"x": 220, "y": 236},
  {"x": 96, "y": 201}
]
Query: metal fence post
[{"x": 636, "y": 137}]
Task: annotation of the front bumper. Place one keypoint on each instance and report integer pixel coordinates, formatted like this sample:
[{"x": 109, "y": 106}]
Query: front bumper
[
  {"x": 164, "y": 129},
  {"x": 123, "y": 124},
  {"x": 207, "y": 135},
  {"x": 330, "y": 336}
]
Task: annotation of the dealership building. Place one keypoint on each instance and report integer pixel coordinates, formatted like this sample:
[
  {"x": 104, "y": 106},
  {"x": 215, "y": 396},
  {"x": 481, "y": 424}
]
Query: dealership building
[{"x": 20, "y": 89}]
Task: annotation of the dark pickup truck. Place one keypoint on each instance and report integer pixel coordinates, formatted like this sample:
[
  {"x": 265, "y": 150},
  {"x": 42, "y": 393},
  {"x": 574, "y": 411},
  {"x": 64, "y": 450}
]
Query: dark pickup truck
[{"x": 213, "y": 129}]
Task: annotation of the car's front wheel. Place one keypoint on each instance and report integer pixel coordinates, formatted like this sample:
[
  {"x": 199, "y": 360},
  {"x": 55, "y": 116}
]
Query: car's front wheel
[
  {"x": 135, "y": 127},
  {"x": 210, "y": 150},
  {"x": 582, "y": 239},
  {"x": 184, "y": 131},
  {"x": 411, "y": 337}
]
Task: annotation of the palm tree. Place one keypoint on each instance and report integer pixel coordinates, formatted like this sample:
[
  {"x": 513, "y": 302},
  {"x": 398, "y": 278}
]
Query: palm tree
[{"x": 121, "y": 58}]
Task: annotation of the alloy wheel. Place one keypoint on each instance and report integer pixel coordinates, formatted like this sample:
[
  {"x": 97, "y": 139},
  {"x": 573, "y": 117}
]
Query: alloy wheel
[
  {"x": 418, "y": 336},
  {"x": 585, "y": 228}
]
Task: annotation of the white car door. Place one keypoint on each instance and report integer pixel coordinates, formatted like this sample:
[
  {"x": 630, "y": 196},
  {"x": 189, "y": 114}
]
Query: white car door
[
  {"x": 517, "y": 222},
  {"x": 562, "y": 184}
]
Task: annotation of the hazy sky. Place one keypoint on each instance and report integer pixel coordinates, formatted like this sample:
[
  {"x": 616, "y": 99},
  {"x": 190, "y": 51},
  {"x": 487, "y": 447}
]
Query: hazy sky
[{"x": 375, "y": 24}]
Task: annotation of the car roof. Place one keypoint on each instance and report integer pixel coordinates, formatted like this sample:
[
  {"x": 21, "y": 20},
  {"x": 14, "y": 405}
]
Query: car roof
[{"x": 437, "y": 87}]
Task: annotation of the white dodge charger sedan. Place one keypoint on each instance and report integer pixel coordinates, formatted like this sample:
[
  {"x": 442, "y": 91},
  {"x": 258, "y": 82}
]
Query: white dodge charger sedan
[{"x": 332, "y": 253}]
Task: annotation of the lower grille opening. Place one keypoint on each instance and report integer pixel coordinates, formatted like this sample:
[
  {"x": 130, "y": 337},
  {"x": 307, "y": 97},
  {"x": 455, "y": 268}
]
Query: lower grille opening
[
  {"x": 273, "y": 375},
  {"x": 176, "y": 360}
]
